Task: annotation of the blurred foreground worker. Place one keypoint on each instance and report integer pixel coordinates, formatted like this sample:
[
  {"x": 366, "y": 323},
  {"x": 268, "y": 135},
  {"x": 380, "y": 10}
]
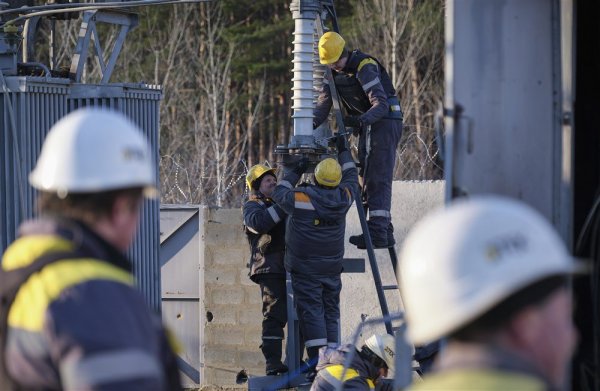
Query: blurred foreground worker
[
  {"x": 78, "y": 322},
  {"x": 264, "y": 224},
  {"x": 501, "y": 277},
  {"x": 369, "y": 98},
  {"x": 315, "y": 245},
  {"x": 369, "y": 364}
]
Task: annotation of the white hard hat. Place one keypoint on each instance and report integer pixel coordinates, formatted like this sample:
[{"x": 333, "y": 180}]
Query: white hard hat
[
  {"x": 93, "y": 150},
  {"x": 384, "y": 346},
  {"x": 459, "y": 262}
]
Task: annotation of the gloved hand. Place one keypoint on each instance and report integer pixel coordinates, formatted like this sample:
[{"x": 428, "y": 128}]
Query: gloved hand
[
  {"x": 340, "y": 143},
  {"x": 301, "y": 166},
  {"x": 353, "y": 122},
  {"x": 384, "y": 385}
]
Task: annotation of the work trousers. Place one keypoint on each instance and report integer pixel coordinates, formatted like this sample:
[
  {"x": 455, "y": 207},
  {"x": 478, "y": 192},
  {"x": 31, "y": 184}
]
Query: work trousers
[
  {"x": 377, "y": 153},
  {"x": 274, "y": 307},
  {"x": 317, "y": 301}
]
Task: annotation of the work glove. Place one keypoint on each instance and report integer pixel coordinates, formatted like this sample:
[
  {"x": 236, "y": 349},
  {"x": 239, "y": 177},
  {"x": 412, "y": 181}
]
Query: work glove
[
  {"x": 301, "y": 166},
  {"x": 340, "y": 143},
  {"x": 384, "y": 385},
  {"x": 353, "y": 122}
]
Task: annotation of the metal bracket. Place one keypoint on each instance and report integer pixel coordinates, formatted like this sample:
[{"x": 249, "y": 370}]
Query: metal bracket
[{"x": 88, "y": 32}]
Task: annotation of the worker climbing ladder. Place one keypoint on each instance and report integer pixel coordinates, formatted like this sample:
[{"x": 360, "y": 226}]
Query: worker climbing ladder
[
  {"x": 360, "y": 207},
  {"x": 422, "y": 353}
]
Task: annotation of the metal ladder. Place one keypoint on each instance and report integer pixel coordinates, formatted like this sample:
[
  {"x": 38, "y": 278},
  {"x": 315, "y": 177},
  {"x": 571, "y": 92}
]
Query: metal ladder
[
  {"x": 359, "y": 204},
  {"x": 403, "y": 375}
]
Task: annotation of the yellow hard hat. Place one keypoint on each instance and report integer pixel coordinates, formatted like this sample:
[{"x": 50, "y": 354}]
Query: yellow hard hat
[
  {"x": 256, "y": 172},
  {"x": 328, "y": 173},
  {"x": 331, "y": 46}
]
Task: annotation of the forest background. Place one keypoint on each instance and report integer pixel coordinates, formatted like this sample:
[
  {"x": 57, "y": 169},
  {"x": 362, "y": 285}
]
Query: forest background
[{"x": 225, "y": 68}]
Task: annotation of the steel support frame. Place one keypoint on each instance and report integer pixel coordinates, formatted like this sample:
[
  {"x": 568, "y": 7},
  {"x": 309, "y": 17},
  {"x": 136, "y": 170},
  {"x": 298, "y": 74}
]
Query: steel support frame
[{"x": 88, "y": 31}]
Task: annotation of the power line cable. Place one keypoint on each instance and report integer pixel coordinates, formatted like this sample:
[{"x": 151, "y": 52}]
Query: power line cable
[{"x": 79, "y": 7}]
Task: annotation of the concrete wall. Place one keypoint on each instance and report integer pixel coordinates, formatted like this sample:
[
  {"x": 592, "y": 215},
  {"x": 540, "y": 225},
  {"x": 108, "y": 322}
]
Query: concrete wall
[
  {"x": 410, "y": 201},
  {"x": 232, "y": 337}
]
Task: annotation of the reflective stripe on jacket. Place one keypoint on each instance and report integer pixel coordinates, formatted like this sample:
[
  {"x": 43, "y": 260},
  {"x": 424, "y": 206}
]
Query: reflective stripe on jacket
[
  {"x": 479, "y": 380},
  {"x": 317, "y": 221},
  {"x": 360, "y": 376},
  {"x": 365, "y": 89},
  {"x": 479, "y": 367},
  {"x": 333, "y": 375},
  {"x": 79, "y": 323},
  {"x": 264, "y": 223}
]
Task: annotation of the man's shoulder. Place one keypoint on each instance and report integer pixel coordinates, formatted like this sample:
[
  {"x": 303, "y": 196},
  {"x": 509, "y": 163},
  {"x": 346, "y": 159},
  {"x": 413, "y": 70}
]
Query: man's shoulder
[
  {"x": 479, "y": 379},
  {"x": 70, "y": 282},
  {"x": 255, "y": 201}
]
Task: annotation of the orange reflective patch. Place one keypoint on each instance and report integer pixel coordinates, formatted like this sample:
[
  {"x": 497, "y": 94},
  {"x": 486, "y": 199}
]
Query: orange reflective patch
[{"x": 302, "y": 197}]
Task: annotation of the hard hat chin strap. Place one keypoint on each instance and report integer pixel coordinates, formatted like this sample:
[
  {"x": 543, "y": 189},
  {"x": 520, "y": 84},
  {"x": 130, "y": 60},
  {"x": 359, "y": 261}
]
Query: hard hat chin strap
[{"x": 370, "y": 356}]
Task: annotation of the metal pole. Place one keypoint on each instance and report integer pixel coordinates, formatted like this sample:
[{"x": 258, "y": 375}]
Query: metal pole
[{"x": 52, "y": 43}]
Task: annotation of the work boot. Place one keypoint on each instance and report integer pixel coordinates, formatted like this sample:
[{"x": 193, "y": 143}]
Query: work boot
[
  {"x": 379, "y": 241},
  {"x": 390, "y": 236},
  {"x": 271, "y": 349},
  {"x": 278, "y": 369},
  {"x": 313, "y": 358}
]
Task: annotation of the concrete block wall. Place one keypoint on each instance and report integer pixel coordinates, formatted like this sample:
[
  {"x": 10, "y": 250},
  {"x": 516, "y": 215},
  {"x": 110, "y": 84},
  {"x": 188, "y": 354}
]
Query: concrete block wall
[
  {"x": 233, "y": 302},
  {"x": 410, "y": 201},
  {"x": 232, "y": 337}
]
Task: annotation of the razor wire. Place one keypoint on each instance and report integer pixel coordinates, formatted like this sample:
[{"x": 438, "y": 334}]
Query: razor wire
[{"x": 185, "y": 181}]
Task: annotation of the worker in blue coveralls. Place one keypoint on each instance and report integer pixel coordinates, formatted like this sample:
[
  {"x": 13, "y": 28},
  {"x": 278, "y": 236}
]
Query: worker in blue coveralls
[
  {"x": 315, "y": 245},
  {"x": 264, "y": 224},
  {"x": 373, "y": 110}
]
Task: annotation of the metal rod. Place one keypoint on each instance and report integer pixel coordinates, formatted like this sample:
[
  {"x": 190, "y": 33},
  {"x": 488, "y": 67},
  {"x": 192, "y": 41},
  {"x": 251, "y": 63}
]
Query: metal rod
[
  {"x": 52, "y": 43},
  {"x": 348, "y": 359}
]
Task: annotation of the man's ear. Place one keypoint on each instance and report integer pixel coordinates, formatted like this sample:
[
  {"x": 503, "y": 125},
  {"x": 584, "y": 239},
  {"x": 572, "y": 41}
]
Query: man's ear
[
  {"x": 524, "y": 326},
  {"x": 118, "y": 208},
  {"x": 123, "y": 206}
]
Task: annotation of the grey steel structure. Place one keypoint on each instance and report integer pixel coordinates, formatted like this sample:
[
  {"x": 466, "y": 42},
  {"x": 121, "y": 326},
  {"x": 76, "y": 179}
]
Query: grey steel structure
[
  {"x": 181, "y": 258},
  {"x": 30, "y": 106},
  {"x": 509, "y": 103}
]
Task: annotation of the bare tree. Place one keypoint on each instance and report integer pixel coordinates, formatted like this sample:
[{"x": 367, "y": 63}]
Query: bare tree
[
  {"x": 201, "y": 148},
  {"x": 407, "y": 36}
]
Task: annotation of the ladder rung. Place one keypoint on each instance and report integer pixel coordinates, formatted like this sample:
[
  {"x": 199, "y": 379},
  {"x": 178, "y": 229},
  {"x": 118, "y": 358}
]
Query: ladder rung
[{"x": 388, "y": 287}]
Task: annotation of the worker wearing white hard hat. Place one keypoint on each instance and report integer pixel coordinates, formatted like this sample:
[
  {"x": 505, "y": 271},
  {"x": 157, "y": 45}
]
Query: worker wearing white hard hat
[
  {"x": 374, "y": 361},
  {"x": 80, "y": 323},
  {"x": 490, "y": 275}
]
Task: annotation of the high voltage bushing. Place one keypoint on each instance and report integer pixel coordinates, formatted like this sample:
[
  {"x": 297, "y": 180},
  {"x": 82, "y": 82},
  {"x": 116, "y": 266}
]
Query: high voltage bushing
[
  {"x": 323, "y": 132},
  {"x": 304, "y": 13}
]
